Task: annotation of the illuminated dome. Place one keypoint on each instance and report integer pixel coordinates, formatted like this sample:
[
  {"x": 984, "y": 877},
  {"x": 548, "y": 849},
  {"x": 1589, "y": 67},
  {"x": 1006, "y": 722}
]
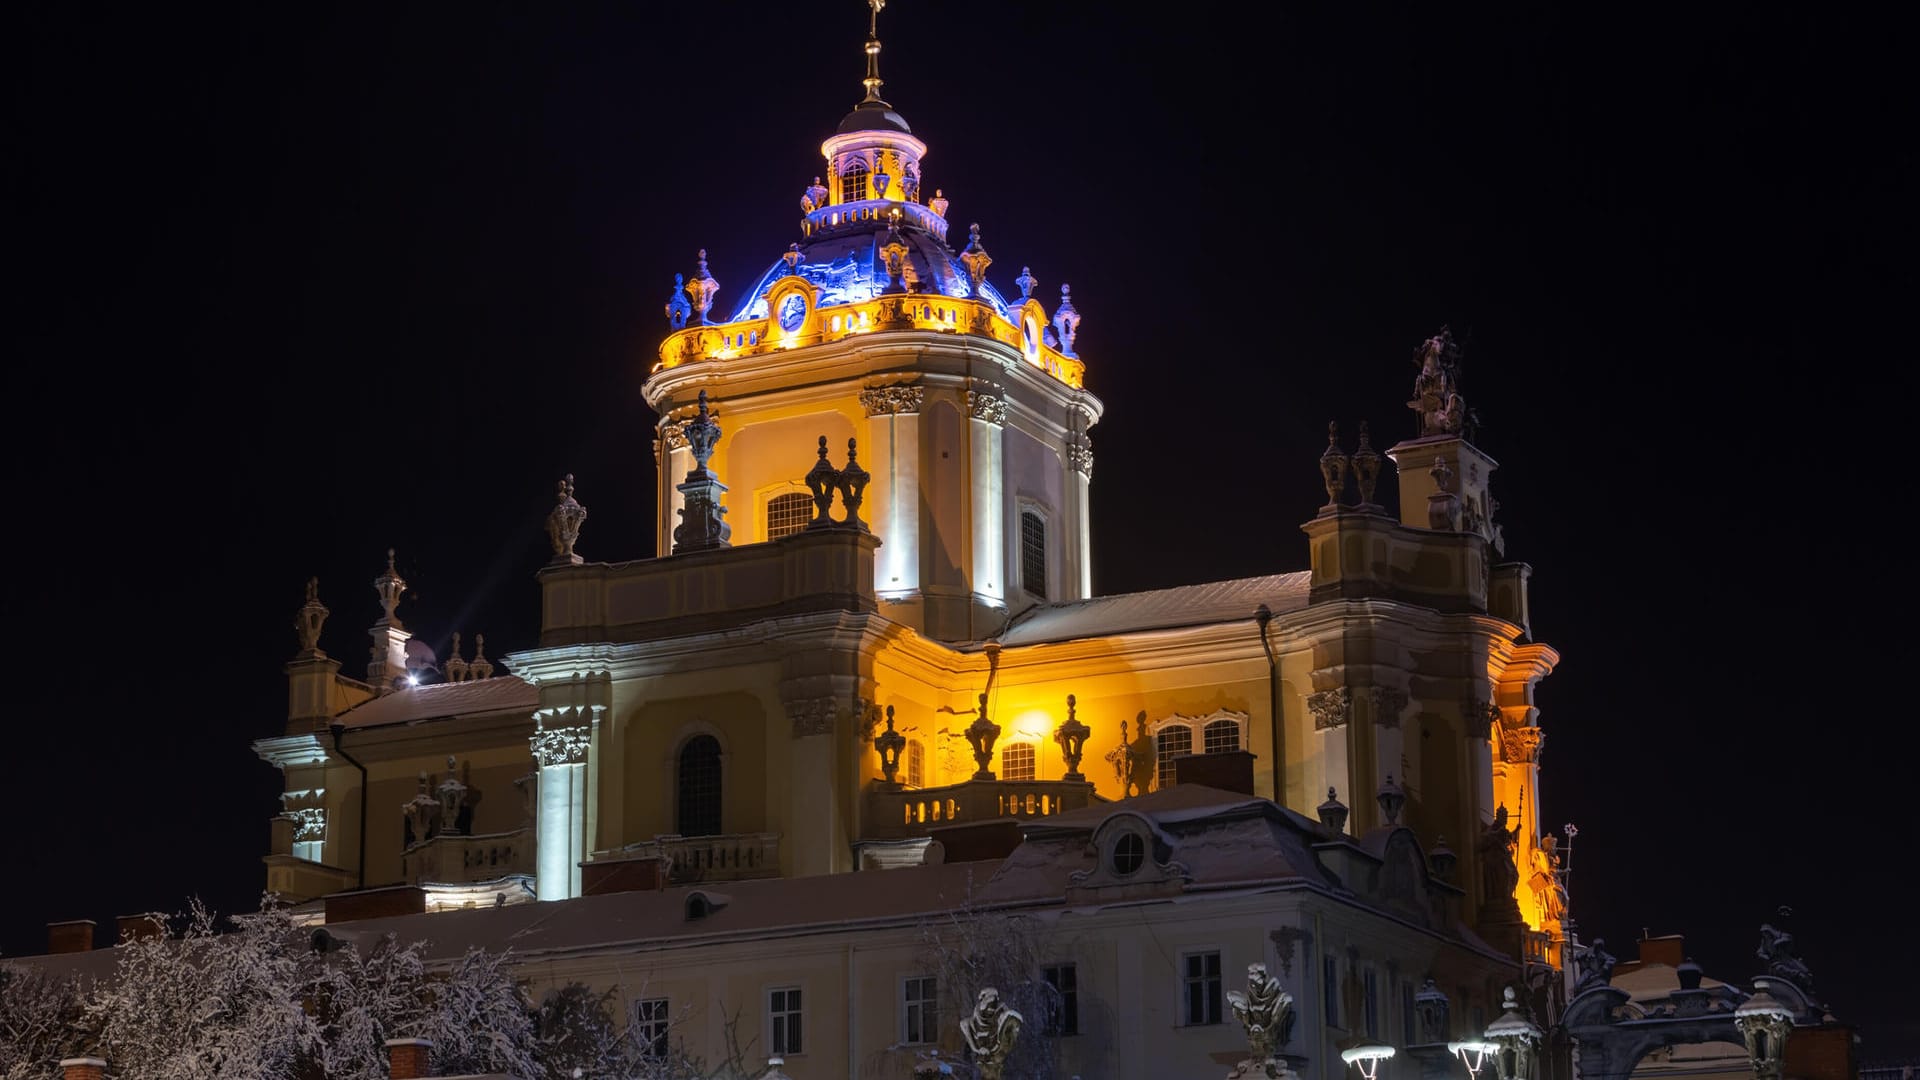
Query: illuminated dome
[{"x": 846, "y": 266}]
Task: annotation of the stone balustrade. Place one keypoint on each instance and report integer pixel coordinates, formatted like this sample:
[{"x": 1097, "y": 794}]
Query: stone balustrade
[
  {"x": 722, "y": 857},
  {"x": 453, "y": 858},
  {"x": 897, "y": 813}
]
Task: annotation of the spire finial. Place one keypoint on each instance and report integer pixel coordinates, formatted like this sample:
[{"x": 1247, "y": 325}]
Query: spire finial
[
  {"x": 872, "y": 81},
  {"x": 390, "y": 586}
]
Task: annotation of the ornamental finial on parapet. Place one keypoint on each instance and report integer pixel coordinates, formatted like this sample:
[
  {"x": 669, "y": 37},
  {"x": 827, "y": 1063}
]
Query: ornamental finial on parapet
[
  {"x": 1026, "y": 281},
  {"x": 390, "y": 586},
  {"x": 564, "y": 521},
  {"x": 313, "y": 616},
  {"x": 677, "y": 307},
  {"x": 1333, "y": 468},
  {"x": 814, "y": 197},
  {"x": 1066, "y": 320},
  {"x": 976, "y": 260},
  {"x": 1366, "y": 467},
  {"x": 703, "y": 523},
  {"x": 938, "y": 204},
  {"x": 702, "y": 289}
]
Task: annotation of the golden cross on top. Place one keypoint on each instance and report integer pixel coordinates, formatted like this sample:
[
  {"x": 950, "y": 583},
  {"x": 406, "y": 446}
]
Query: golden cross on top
[{"x": 873, "y": 21}]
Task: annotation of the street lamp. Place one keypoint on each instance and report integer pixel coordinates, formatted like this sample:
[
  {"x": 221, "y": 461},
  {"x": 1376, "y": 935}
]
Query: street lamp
[
  {"x": 1473, "y": 1054},
  {"x": 1765, "y": 1023},
  {"x": 1516, "y": 1040},
  {"x": 1367, "y": 1058}
]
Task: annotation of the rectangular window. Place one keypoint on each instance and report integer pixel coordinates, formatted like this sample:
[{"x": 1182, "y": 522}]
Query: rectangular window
[
  {"x": 916, "y": 764},
  {"x": 1221, "y": 736},
  {"x": 783, "y": 1015},
  {"x": 1373, "y": 1005},
  {"x": 651, "y": 1021},
  {"x": 1033, "y": 553},
  {"x": 1174, "y": 740},
  {"x": 1200, "y": 985},
  {"x": 1330, "y": 989},
  {"x": 920, "y": 1010},
  {"x": 788, "y": 514},
  {"x": 1016, "y": 761},
  {"x": 1064, "y": 1017}
]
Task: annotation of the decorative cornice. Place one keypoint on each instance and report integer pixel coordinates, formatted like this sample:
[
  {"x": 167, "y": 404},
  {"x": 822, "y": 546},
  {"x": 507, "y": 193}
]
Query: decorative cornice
[
  {"x": 893, "y": 400},
  {"x": 561, "y": 746},
  {"x": 1521, "y": 745},
  {"x": 674, "y": 433},
  {"x": 986, "y": 407},
  {"x": 811, "y": 716},
  {"x": 1331, "y": 708},
  {"x": 1387, "y": 702}
]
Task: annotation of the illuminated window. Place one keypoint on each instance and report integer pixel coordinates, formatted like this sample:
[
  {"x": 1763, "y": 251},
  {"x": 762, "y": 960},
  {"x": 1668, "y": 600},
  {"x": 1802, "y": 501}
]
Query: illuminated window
[
  {"x": 916, "y": 764},
  {"x": 700, "y": 787},
  {"x": 1221, "y": 736},
  {"x": 853, "y": 182},
  {"x": 1200, "y": 985},
  {"x": 788, "y": 514},
  {"x": 920, "y": 1010},
  {"x": 1016, "y": 761},
  {"x": 1175, "y": 740},
  {"x": 1033, "y": 553}
]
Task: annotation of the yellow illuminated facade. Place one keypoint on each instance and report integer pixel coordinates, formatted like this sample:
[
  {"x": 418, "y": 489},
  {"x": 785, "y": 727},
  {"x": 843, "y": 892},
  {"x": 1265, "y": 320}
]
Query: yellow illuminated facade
[{"x": 814, "y": 696}]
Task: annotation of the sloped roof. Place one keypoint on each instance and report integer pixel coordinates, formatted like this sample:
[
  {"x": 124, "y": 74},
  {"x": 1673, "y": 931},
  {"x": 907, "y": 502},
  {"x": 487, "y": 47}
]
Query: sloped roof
[
  {"x": 507, "y": 693},
  {"x": 1159, "y": 609}
]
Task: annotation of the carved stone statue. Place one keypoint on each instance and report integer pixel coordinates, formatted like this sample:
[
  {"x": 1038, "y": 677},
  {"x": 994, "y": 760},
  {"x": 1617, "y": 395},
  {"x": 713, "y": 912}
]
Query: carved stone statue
[
  {"x": 1776, "y": 951},
  {"x": 814, "y": 197},
  {"x": 894, "y": 253},
  {"x": 938, "y": 204},
  {"x": 989, "y": 1032},
  {"x": 1498, "y": 871},
  {"x": 1265, "y": 1011},
  {"x": 1545, "y": 879},
  {"x": 1595, "y": 966},
  {"x": 453, "y": 796},
  {"x": 313, "y": 616},
  {"x": 701, "y": 291},
  {"x": 1436, "y": 395},
  {"x": 422, "y": 813},
  {"x": 564, "y": 521}
]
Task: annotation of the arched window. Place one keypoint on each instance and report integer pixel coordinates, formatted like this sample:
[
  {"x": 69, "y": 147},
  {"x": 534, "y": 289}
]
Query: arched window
[
  {"x": 1174, "y": 740},
  {"x": 788, "y": 514},
  {"x": 699, "y": 787},
  {"x": 853, "y": 182},
  {"x": 1016, "y": 761},
  {"x": 1033, "y": 553},
  {"x": 1221, "y": 736},
  {"x": 916, "y": 764}
]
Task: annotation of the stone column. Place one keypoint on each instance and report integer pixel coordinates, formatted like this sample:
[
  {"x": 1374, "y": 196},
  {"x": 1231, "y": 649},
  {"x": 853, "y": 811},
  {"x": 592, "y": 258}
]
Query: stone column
[
  {"x": 893, "y": 431},
  {"x": 561, "y": 753},
  {"x": 987, "y": 505}
]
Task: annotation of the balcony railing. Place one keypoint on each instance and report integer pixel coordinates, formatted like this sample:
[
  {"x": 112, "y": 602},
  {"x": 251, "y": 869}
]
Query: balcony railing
[
  {"x": 454, "y": 858},
  {"x": 896, "y": 813},
  {"x": 725, "y": 857}
]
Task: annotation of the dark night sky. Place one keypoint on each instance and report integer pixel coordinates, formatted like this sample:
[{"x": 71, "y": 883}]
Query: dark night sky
[{"x": 294, "y": 285}]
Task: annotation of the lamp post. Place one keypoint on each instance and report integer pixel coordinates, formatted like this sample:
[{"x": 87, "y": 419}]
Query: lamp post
[
  {"x": 1516, "y": 1040},
  {"x": 1367, "y": 1057},
  {"x": 1764, "y": 1023},
  {"x": 1473, "y": 1054}
]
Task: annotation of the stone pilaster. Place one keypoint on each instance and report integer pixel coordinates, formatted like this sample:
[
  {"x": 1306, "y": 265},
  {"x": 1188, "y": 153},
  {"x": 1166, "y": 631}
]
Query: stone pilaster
[{"x": 561, "y": 749}]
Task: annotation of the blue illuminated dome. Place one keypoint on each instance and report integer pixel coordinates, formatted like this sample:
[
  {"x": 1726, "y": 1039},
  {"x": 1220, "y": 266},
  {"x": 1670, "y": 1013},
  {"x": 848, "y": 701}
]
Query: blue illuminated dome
[{"x": 846, "y": 266}]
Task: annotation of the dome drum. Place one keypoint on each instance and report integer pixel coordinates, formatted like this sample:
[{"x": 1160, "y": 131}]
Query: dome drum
[{"x": 869, "y": 213}]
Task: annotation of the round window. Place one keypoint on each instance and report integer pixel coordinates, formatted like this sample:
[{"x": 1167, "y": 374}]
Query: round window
[
  {"x": 1128, "y": 853},
  {"x": 793, "y": 311}
]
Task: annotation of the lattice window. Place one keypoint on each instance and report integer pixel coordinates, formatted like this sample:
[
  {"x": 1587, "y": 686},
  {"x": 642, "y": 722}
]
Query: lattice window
[
  {"x": 1174, "y": 740},
  {"x": 1033, "y": 553},
  {"x": 651, "y": 1023},
  {"x": 916, "y": 764},
  {"x": 920, "y": 1010},
  {"x": 853, "y": 182},
  {"x": 1016, "y": 761},
  {"x": 788, "y": 514},
  {"x": 1221, "y": 736},
  {"x": 783, "y": 1020},
  {"x": 700, "y": 787},
  {"x": 1201, "y": 985}
]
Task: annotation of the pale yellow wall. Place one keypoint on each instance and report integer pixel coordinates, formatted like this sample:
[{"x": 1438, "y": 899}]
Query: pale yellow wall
[
  {"x": 768, "y": 451},
  {"x": 653, "y": 735}
]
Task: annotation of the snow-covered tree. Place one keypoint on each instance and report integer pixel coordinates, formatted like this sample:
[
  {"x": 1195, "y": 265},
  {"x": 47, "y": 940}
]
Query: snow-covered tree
[
  {"x": 40, "y": 1023},
  {"x": 969, "y": 950}
]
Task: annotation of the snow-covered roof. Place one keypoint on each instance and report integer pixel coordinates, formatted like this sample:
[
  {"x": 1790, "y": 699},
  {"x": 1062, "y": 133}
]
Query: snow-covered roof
[
  {"x": 1159, "y": 609},
  {"x": 507, "y": 693}
]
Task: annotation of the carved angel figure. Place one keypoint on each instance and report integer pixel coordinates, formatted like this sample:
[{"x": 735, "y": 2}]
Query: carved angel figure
[
  {"x": 989, "y": 1032},
  {"x": 1265, "y": 1010},
  {"x": 1435, "y": 389},
  {"x": 1596, "y": 967},
  {"x": 1776, "y": 949}
]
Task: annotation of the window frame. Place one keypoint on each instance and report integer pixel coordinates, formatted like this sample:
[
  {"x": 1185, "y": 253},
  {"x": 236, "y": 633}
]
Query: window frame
[
  {"x": 720, "y": 783},
  {"x": 642, "y": 1019},
  {"x": 795, "y": 1042},
  {"x": 1162, "y": 773},
  {"x": 802, "y": 499},
  {"x": 1044, "y": 520},
  {"x": 1215, "y": 996},
  {"x": 914, "y": 764},
  {"x": 1330, "y": 990},
  {"x": 1063, "y": 1019},
  {"x": 847, "y": 172},
  {"x": 1032, "y": 755},
  {"x": 930, "y": 1010}
]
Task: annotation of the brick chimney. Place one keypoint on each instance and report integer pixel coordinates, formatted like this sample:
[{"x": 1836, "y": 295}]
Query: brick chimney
[
  {"x": 74, "y": 935},
  {"x": 407, "y": 1059},
  {"x": 82, "y": 1068},
  {"x": 144, "y": 925}
]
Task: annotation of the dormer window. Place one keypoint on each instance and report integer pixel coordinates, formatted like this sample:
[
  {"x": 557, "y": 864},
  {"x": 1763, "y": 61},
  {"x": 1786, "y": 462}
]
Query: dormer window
[
  {"x": 1129, "y": 852},
  {"x": 853, "y": 182}
]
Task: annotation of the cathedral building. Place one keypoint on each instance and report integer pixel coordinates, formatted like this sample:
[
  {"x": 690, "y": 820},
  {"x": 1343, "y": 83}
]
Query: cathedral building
[{"x": 870, "y": 658}]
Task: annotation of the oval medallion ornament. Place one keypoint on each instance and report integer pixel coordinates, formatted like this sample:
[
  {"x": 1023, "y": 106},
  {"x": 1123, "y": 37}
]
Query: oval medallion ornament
[{"x": 793, "y": 311}]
